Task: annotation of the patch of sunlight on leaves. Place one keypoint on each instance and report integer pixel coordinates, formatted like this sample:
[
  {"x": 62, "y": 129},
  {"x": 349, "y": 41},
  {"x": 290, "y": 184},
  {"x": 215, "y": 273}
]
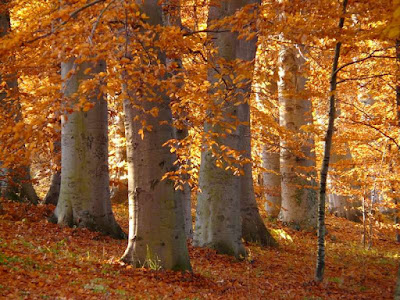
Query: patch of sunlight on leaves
[{"x": 281, "y": 235}]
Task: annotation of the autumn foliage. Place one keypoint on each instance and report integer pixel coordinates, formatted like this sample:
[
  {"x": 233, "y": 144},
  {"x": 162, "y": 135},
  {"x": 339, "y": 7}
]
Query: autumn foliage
[{"x": 150, "y": 65}]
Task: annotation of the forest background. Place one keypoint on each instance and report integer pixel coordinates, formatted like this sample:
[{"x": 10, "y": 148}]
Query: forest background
[{"x": 220, "y": 111}]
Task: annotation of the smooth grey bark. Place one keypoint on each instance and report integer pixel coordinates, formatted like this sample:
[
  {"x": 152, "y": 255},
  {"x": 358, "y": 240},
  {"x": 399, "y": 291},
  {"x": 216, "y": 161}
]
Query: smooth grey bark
[
  {"x": 17, "y": 183},
  {"x": 173, "y": 18},
  {"x": 84, "y": 199},
  {"x": 299, "y": 195},
  {"x": 185, "y": 193},
  {"x": 253, "y": 227},
  {"x": 272, "y": 181},
  {"x": 54, "y": 189},
  {"x": 156, "y": 225},
  {"x": 218, "y": 215},
  {"x": 119, "y": 191},
  {"x": 320, "y": 266}
]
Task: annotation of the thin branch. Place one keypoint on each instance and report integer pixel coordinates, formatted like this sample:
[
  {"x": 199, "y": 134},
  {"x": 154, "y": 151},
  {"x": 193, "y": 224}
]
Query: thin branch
[
  {"x": 98, "y": 20},
  {"x": 363, "y": 78},
  {"x": 71, "y": 16},
  {"x": 377, "y": 129},
  {"x": 371, "y": 55}
]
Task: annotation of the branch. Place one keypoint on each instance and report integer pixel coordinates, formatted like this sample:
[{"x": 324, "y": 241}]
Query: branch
[
  {"x": 377, "y": 129},
  {"x": 205, "y": 31},
  {"x": 71, "y": 16},
  {"x": 98, "y": 20},
  {"x": 371, "y": 55},
  {"x": 363, "y": 78}
]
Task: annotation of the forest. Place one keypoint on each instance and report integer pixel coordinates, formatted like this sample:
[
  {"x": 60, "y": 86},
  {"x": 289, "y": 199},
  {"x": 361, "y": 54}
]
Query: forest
[{"x": 200, "y": 149}]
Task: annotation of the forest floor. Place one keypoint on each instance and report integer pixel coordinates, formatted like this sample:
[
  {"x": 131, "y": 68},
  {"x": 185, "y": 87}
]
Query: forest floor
[{"x": 40, "y": 260}]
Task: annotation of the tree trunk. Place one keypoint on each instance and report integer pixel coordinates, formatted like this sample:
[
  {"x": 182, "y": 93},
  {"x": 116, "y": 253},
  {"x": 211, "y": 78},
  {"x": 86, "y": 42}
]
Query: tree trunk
[
  {"x": 185, "y": 194},
  {"x": 272, "y": 182},
  {"x": 119, "y": 191},
  {"x": 156, "y": 226},
  {"x": 218, "y": 215},
  {"x": 54, "y": 190},
  {"x": 84, "y": 199},
  {"x": 320, "y": 266},
  {"x": 174, "y": 19},
  {"x": 299, "y": 196},
  {"x": 17, "y": 183},
  {"x": 253, "y": 227}
]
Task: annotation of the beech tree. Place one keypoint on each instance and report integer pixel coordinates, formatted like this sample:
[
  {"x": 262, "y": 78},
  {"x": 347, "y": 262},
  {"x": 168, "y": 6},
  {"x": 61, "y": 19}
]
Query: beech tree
[
  {"x": 299, "y": 197},
  {"x": 272, "y": 181},
  {"x": 253, "y": 227},
  {"x": 84, "y": 199},
  {"x": 153, "y": 241},
  {"x": 218, "y": 214}
]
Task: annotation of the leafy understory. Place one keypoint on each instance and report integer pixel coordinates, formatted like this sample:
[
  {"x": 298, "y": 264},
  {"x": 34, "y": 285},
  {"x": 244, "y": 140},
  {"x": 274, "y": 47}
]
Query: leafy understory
[{"x": 39, "y": 260}]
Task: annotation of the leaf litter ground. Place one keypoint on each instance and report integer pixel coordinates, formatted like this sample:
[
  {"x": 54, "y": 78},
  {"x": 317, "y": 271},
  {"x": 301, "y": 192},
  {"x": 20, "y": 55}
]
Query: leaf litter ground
[{"x": 40, "y": 260}]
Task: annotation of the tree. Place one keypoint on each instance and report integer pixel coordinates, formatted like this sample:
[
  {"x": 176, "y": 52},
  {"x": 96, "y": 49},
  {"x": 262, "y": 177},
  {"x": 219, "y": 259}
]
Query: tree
[
  {"x": 320, "y": 266},
  {"x": 84, "y": 199},
  {"x": 15, "y": 182},
  {"x": 153, "y": 241},
  {"x": 173, "y": 18},
  {"x": 253, "y": 227},
  {"x": 299, "y": 198},
  {"x": 272, "y": 181},
  {"x": 218, "y": 213}
]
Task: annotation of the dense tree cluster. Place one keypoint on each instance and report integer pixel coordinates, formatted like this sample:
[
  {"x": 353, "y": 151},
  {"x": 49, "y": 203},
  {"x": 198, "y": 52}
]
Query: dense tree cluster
[{"x": 234, "y": 105}]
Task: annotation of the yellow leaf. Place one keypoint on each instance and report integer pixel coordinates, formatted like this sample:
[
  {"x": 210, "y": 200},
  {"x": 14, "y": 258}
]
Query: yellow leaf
[{"x": 141, "y": 133}]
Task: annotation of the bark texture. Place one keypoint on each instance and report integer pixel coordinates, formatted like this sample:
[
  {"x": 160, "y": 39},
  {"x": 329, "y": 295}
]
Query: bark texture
[
  {"x": 218, "y": 215},
  {"x": 185, "y": 194},
  {"x": 156, "y": 226},
  {"x": 299, "y": 196},
  {"x": 272, "y": 181},
  {"x": 174, "y": 19},
  {"x": 54, "y": 189},
  {"x": 84, "y": 199},
  {"x": 253, "y": 227}
]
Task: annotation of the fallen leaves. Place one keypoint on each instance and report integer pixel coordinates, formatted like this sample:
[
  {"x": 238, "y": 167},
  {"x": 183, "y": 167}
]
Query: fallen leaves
[{"x": 40, "y": 260}]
